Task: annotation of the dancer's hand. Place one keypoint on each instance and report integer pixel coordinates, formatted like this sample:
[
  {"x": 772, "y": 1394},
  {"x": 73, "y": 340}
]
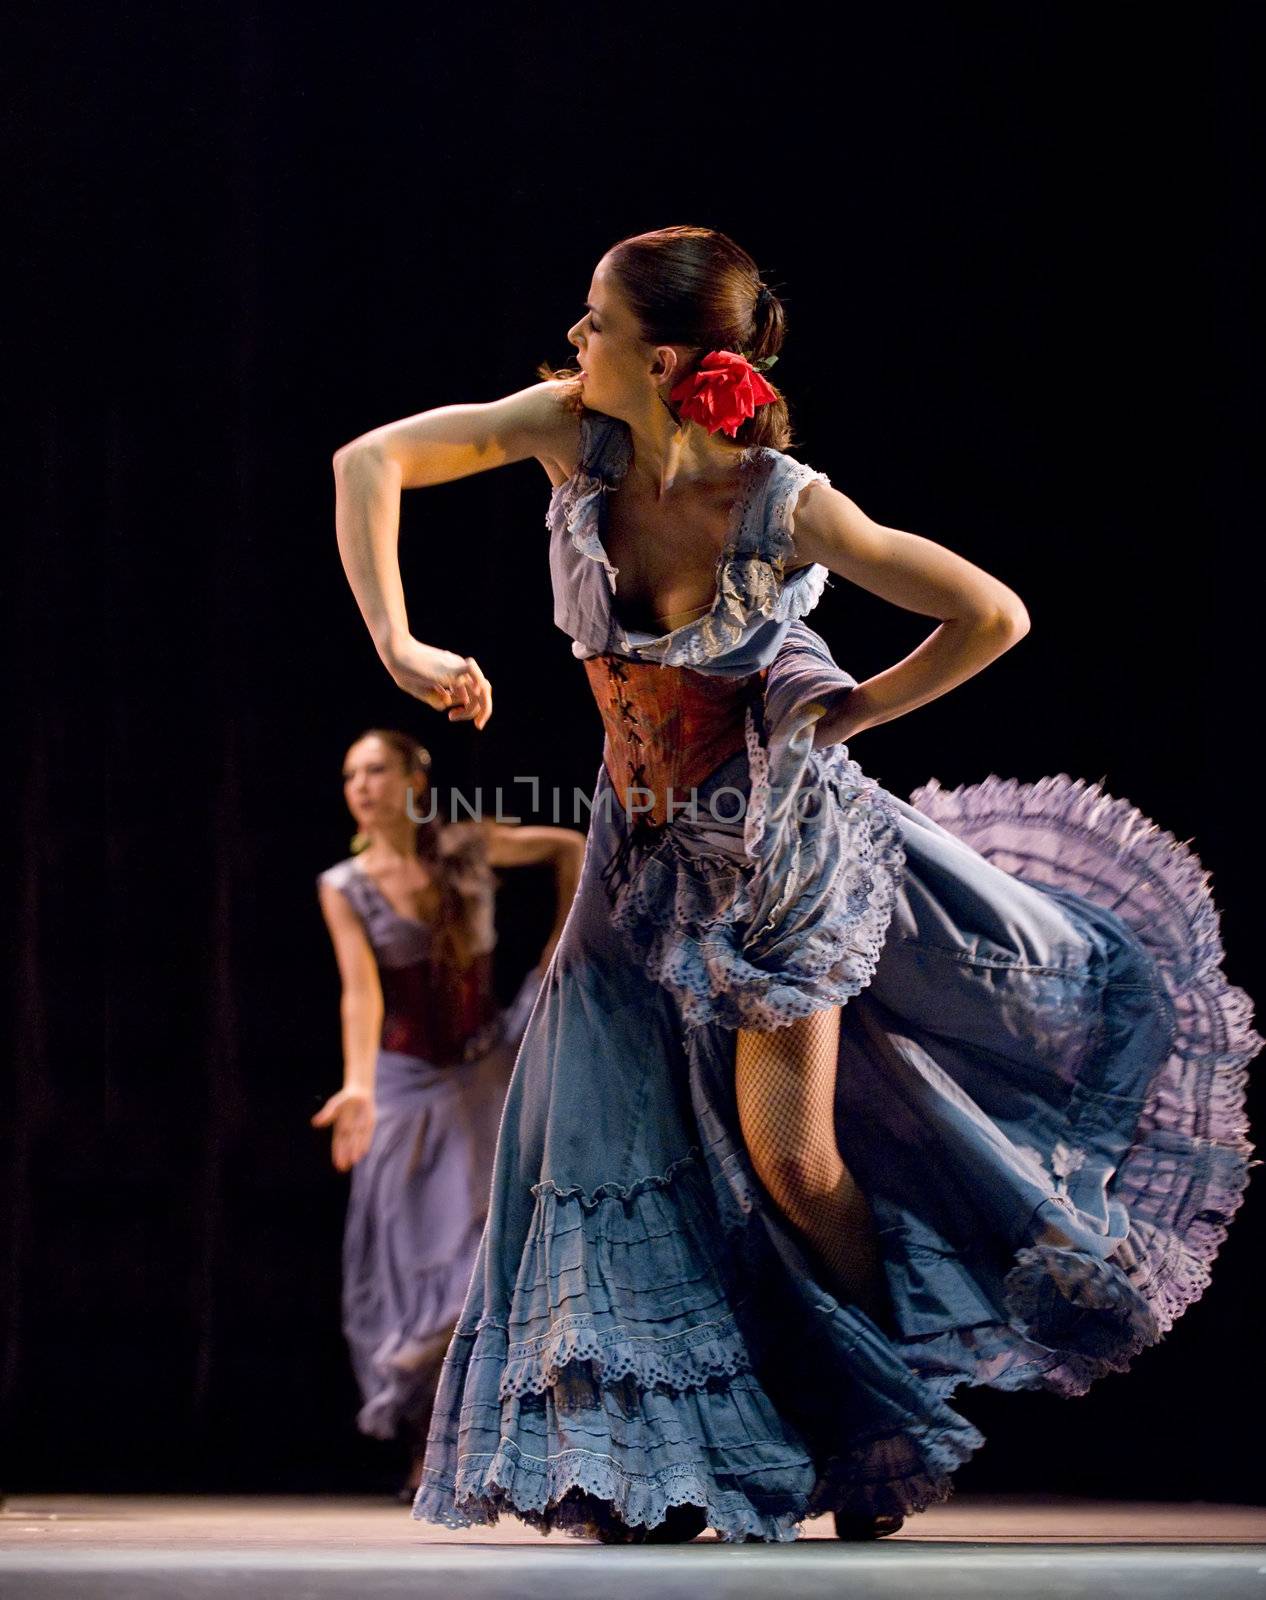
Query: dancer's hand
[
  {"x": 441, "y": 679},
  {"x": 351, "y": 1111},
  {"x": 844, "y": 716}
]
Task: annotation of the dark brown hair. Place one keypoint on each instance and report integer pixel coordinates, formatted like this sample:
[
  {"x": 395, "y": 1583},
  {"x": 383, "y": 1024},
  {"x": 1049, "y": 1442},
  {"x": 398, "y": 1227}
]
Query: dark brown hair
[
  {"x": 456, "y": 854},
  {"x": 696, "y": 287}
]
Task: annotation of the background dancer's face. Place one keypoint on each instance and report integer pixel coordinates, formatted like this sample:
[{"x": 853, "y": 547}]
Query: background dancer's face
[
  {"x": 376, "y": 784},
  {"x": 622, "y": 371}
]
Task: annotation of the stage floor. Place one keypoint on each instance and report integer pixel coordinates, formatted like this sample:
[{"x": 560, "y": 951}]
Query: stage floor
[{"x": 282, "y": 1549}]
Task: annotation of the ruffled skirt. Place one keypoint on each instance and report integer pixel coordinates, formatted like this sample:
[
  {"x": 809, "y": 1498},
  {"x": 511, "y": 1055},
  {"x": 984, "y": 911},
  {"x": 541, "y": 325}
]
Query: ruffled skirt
[
  {"x": 416, "y": 1208},
  {"x": 1040, "y": 1088}
]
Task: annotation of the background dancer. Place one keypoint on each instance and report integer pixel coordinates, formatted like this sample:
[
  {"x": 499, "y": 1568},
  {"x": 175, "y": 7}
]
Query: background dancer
[{"x": 427, "y": 1055}]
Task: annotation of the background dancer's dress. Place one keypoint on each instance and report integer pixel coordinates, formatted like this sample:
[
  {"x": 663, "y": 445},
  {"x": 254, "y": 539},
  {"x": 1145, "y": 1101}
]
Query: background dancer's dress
[
  {"x": 1040, "y": 1088},
  {"x": 419, "y": 1197}
]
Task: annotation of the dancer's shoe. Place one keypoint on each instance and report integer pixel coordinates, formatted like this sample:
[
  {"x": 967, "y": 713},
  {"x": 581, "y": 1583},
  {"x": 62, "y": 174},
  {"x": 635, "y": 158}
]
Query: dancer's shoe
[
  {"x": 681, "y": 1524},
  {"x": 857, "y": 1525}
]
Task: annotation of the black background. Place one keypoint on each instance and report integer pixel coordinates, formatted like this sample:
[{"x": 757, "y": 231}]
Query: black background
[{"x": 1014, "y": 243}]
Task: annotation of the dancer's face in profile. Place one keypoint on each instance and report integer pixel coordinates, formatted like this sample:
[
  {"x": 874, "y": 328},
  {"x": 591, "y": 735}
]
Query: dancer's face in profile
[
  {"x": 376, "y": 785},
  {"x": 622, "y": 371}
]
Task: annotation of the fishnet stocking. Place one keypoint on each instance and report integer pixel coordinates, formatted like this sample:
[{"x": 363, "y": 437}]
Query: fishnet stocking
[{"x": 785, "y": 1082}]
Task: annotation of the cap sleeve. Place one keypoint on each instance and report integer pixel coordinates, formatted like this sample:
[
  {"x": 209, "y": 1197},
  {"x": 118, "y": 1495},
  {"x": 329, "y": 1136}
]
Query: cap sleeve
[
  {"x": 600, "y": 441},
  {"x": 344, "y": 877},
  {"x": 780, "y": 510},
  {"x": 799, "y": 593}
]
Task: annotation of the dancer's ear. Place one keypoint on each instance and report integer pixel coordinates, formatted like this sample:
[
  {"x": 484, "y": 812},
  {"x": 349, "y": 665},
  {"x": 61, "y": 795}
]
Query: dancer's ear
[{"x": 667, "y": 365}]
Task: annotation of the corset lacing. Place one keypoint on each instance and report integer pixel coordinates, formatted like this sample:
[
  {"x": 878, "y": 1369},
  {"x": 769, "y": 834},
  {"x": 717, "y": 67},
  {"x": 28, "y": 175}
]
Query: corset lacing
[{"x": 667, "y": 730}]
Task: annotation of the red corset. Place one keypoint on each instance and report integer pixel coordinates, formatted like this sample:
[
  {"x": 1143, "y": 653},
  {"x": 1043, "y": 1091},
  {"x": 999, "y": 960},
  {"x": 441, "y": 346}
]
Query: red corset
[
  {"x": 666, "y": 728},
  {"x": 431, "y": 1010}
]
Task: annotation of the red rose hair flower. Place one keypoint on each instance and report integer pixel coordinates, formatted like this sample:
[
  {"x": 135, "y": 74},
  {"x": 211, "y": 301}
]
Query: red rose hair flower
[{"x": 723, "y": 393}]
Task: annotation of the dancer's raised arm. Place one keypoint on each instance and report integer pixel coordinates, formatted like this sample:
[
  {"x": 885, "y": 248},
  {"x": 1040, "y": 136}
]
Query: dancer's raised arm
[
  {"x": 980, "y": 616},
  {"x": 433, "y": 447}
]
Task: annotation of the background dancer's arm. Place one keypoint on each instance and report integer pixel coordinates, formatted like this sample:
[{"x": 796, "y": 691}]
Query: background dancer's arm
[
  {"x": 351, "y": 1111},
  {"x": 981, "y": 617},
  {"x": 511, "y": 845},
  {"x": 433, "y": 447}
]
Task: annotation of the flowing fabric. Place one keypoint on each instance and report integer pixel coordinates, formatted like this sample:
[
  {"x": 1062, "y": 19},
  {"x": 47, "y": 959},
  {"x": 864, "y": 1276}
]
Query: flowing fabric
[
  {"x": 419, "y": 1198},
  {"x": 1040, "y": 1088}
]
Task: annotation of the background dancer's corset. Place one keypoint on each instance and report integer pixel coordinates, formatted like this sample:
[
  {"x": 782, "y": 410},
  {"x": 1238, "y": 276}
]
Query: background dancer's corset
[
  {"x": 666, "y": 728},
  {"x": 436, "y": 1011}
]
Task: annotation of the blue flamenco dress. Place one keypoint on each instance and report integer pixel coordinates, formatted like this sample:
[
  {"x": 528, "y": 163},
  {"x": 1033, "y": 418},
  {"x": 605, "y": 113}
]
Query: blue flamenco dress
[{"x": 1040, "y": 1089}]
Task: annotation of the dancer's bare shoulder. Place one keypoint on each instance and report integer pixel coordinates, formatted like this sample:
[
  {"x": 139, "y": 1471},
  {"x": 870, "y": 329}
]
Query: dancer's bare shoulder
[
  {"x": 457, "y": 441},
  {"x": 550, "y": 423},
  {"x": 541, "y": 422}
]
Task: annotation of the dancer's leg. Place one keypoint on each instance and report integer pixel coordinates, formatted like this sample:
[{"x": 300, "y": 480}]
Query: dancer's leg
[{"x": 785, "y": 1082}]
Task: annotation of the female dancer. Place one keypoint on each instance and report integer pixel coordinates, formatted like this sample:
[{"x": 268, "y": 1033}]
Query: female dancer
[
  {"x": 831, "y": 1103},
  {"x": 427, "y": 1056}
]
